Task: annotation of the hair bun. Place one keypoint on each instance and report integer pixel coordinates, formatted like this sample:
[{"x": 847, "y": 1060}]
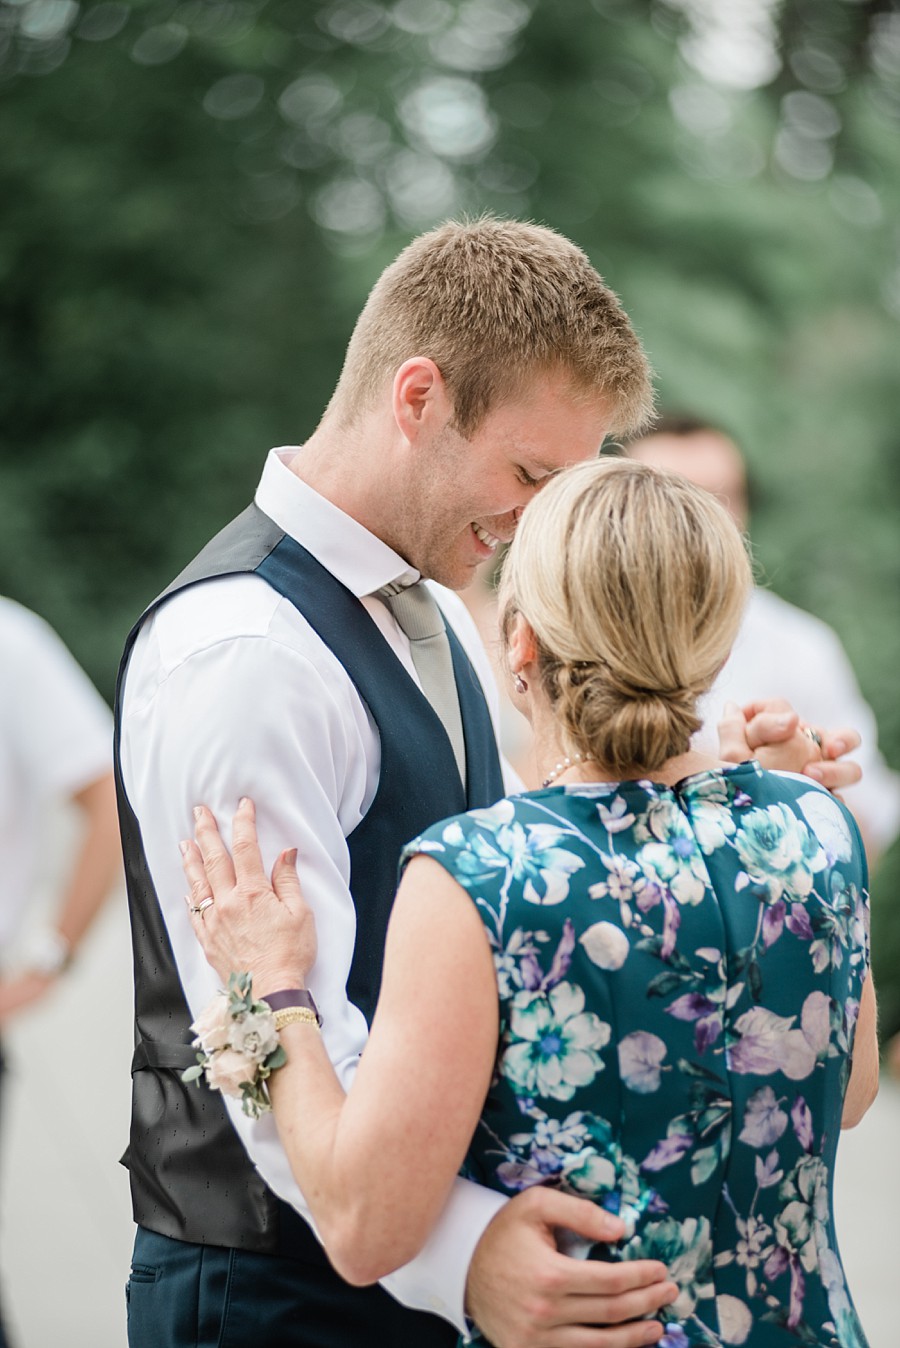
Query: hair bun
[
  {"x": 617, "y": 725},
  {"x": 633, "y": 581}
]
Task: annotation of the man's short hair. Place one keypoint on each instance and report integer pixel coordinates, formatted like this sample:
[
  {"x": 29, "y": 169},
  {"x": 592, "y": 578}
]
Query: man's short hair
[{"x": 494, "y": 303}]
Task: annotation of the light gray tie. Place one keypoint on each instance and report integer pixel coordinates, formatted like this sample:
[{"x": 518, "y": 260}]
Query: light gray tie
[{"x": 420, "y": 618}]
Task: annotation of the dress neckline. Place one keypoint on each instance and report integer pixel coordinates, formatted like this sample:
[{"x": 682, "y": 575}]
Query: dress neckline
[{"x": 749, "y": 766}]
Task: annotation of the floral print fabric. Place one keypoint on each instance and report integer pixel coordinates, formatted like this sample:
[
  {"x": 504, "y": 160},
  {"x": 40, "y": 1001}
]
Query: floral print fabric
[{"x": 679, "y": 973}]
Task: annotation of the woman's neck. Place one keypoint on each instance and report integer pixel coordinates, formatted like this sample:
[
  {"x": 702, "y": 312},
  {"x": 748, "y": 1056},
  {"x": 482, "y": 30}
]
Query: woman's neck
[
  {"x": 550, "y": 758},
  {"x": 556, "y": 767}
]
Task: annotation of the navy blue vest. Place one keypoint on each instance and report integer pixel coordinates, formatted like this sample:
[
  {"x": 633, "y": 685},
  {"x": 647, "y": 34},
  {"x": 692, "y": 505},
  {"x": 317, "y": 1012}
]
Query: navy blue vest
[{"x": 190, "y": 1177}]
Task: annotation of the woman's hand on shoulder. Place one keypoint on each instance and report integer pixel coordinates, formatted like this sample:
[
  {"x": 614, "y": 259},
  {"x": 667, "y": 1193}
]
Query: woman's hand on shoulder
[{"x": 245, "y": 920}]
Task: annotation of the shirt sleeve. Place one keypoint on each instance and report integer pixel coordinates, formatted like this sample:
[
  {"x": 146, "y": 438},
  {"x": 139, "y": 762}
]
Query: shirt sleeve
[
  {"x": 253, "y": 716},
  {"x": 60, "y": 726}
]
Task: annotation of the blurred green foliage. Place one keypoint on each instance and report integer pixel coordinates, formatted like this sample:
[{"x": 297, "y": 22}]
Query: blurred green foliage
[{"x": 198, "y": 193}]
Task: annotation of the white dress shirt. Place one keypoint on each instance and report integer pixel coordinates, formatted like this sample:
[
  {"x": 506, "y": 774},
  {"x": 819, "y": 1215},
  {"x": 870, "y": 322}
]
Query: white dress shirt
[
  {"x": 230, "y": 692},
  {"x": 782, "y": 651}
]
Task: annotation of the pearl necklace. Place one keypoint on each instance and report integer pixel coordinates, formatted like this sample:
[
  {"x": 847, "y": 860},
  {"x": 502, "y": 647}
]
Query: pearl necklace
[{"x": 566, "y": 762}]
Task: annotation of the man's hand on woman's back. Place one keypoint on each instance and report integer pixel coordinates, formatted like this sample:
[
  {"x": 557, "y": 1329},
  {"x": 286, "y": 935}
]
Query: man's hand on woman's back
[{"x": 523, "y": 1293}]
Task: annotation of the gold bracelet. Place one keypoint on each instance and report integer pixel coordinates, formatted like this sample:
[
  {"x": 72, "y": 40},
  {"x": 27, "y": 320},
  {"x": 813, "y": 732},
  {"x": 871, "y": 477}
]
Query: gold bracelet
[{"x": 291, "y": 1015}]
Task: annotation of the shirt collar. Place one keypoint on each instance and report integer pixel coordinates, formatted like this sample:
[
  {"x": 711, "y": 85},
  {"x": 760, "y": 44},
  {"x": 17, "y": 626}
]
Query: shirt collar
[{"x": 346, "y": 548}]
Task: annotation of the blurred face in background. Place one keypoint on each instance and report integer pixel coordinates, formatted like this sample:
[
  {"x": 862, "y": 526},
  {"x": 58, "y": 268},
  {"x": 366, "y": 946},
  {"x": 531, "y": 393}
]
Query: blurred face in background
[{"x": 709, "y": 459}]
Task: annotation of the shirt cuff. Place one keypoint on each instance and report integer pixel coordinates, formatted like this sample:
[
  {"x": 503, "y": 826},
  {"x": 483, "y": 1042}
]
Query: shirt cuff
[{"x": 435, "y": 1280}]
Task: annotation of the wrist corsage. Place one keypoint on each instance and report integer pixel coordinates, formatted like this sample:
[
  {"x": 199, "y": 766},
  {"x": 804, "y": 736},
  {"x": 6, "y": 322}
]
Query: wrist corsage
[{"x": 237, "y": 1039}]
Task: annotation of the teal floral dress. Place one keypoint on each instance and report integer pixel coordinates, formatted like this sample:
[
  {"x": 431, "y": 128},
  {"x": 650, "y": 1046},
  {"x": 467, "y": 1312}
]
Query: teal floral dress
[{"x": 679, "y": 972}]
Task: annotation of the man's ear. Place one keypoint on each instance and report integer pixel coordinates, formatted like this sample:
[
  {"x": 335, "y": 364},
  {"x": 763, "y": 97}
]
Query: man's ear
[{"x": 419, "y": 397}]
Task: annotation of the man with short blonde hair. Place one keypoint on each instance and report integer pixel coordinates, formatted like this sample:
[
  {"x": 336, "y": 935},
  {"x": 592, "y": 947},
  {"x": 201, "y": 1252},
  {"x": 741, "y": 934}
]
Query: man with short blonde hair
[
  {"x": 287, "y": 664},
  {"x": 492, "y": 303}
]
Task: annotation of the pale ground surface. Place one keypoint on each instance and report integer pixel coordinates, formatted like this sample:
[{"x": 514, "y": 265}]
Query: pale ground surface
[{"x": 65, "y": 1226}]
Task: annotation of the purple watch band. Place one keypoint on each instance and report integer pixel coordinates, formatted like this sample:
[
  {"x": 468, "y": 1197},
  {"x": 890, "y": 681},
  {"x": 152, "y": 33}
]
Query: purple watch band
[{"x": 293, "y": 997}]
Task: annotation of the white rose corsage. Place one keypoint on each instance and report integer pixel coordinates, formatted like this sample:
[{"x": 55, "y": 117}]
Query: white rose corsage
[{"x": 238, "y": 1045}]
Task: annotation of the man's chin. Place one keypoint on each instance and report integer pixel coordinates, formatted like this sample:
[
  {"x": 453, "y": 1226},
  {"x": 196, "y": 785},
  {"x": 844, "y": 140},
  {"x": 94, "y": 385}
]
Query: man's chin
[{"x": 453, "y": 578}]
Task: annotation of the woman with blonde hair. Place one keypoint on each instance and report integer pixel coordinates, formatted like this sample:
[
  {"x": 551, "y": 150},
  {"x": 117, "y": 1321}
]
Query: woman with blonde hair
[{"x": 645, "y": 983}]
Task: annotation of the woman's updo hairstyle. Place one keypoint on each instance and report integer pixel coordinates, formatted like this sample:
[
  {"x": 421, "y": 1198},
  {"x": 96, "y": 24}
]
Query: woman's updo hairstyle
[{"x": 634, "y": 581}]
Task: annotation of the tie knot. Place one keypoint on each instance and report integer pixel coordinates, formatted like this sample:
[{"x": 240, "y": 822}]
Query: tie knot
[{"x": 415, "y": 610}]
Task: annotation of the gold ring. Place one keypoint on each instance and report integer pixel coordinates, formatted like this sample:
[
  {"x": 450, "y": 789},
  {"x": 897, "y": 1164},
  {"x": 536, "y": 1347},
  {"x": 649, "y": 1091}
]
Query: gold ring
[{"x": 202, "y": 906}]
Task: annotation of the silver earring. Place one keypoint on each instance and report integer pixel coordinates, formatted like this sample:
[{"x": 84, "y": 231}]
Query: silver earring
[{"x": 519, "y": 684}]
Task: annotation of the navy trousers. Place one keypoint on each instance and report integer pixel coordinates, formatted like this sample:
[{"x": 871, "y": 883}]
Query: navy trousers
[{"x": 182, "y": 1295}]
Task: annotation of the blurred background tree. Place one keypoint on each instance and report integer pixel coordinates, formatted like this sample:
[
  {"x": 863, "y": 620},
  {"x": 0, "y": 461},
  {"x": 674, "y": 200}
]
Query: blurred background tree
[{"x": 198, "y": 193}]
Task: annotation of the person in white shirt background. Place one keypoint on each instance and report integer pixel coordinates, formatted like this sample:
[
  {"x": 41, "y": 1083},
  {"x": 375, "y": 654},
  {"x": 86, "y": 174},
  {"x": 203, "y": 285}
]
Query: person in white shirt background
[
  {"x": 55, "y": 747},
  {"x": 781, "y": 650},
  {"x": 488, "y": 357}
]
